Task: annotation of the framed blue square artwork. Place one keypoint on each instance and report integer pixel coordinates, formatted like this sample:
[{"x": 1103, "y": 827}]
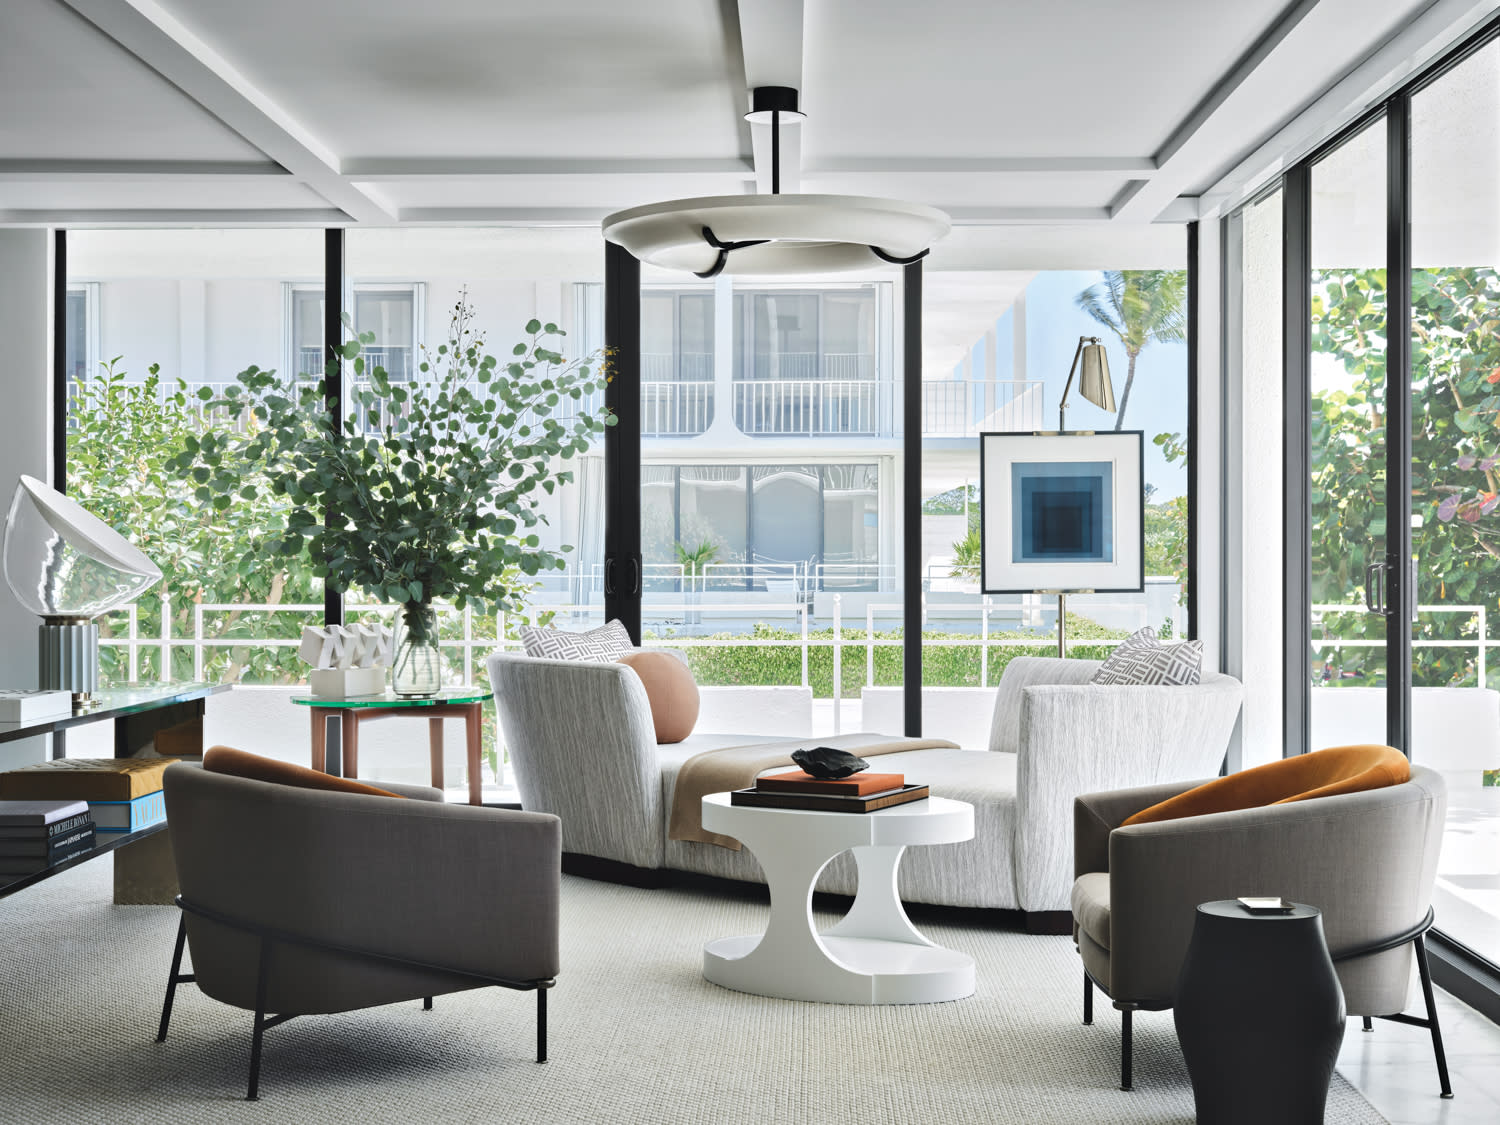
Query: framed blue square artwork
[{"x": 1062, "y": 513}]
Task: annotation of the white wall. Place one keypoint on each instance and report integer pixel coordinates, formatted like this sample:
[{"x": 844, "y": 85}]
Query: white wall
[{"x": 25, "y": 435}]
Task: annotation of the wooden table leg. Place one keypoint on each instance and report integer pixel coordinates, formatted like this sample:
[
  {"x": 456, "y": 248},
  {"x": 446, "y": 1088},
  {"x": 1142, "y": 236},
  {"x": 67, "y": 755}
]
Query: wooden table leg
[
  {"x": 435, "y": 739},
  {"x": 474, "y": 727},
  {"x": 350, "y": 727},
  {"x": 319, "y": 739}
]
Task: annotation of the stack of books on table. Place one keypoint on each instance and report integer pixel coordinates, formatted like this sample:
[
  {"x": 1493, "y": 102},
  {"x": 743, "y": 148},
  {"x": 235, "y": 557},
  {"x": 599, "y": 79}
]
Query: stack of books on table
[
  {"x": 123, "y": 794},
  {"x": 858, "y": 793},
  {"x": 36, "y": 834}
]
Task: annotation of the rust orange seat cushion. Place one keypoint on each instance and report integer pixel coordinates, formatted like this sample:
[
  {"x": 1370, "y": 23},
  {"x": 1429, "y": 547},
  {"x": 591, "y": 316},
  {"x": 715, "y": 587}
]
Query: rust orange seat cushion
[
  {"x": 241, "y": 763},
  {"x": 1323, "y": 773}
]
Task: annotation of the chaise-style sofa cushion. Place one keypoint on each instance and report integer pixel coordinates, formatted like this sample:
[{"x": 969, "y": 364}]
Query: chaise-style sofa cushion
[
  {"x": 582, "y": 745},
  {"x": 1324, "y": 773}
]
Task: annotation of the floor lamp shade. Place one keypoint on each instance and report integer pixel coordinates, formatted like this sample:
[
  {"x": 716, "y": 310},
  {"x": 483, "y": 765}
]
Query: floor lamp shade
[
  {"x": 1093, "y": 377},
  {"x": 68, "y": 566}
]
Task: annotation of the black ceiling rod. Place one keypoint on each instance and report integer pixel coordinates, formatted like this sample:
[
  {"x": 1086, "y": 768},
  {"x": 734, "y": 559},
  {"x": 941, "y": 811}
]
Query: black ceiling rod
[
  {"x": 723, "y": 248},
  {"x": 776, "y": 152}
]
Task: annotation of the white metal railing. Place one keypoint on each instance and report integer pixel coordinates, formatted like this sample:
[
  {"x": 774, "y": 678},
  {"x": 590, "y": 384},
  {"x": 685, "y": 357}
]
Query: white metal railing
[
  {"x": 673, "y": 409},
  {"x": 814, "y": 407},
  {"x": 1481, "y": 644},
  {"x": 968, "y": 407},
  {"x": 812, "y": 366}
]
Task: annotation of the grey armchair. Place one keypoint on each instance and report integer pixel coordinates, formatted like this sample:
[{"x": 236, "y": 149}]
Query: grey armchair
[
  {"x": 296, "y": 901},
  {"x": 1367, "y": 860}
]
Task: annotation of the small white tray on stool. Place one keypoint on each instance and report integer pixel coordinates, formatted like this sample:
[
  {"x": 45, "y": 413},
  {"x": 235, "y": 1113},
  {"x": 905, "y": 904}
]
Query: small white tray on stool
[{"x": 874, "y": 955}]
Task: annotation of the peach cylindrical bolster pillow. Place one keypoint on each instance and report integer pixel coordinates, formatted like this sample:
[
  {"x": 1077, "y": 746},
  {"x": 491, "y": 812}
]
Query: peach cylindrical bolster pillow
[
  {"x": 1324, "y": 773},
  {"x": 242, "y": 763},
  {"x": 670, "y": 690}
]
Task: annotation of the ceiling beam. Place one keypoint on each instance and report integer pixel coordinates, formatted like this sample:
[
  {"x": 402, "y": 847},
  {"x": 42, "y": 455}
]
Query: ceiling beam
[
  {"x": 1419, "y": 41},
  {"x": 980, "y": 165},
  {"x": 1177, "y": 166},
  {"x": 77, "y": 218},
  {"x": 158, "y": 39},
  {"x": 83, "y": 171},
  {"x": 381, "y": 168}
]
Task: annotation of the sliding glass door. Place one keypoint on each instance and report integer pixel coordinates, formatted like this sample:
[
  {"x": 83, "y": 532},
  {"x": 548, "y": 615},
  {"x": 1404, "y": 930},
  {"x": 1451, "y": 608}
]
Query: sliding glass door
[
  {"x": 1348, "y": 536},
  {"x": 1455, "y": 479}
]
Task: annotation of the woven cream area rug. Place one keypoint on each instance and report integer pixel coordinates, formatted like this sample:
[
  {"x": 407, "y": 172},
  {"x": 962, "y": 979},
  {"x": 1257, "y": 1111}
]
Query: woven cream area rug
[{"x": 637, "y": 1035}]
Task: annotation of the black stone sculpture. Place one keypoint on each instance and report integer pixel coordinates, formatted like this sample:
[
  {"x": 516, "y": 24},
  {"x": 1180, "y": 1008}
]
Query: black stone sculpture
[{"x": 828, "y": 763}]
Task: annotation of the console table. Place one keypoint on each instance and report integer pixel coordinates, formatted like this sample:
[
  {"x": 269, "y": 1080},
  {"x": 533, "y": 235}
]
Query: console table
[{"x": 166, "y": 717}]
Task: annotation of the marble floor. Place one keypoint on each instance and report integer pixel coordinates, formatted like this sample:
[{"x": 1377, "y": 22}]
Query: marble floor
[{"x": 1393, "y": 1067}]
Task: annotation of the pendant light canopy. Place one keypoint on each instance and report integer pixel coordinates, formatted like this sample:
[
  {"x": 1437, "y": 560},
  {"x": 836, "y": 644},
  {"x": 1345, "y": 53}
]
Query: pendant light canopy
[{"x": 759, "y": 235}]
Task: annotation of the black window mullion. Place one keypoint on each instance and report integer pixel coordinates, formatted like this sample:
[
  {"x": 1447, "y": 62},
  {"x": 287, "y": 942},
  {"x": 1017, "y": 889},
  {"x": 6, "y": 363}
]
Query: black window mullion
[
  {"x": 622, "y": 441},
  {"x": 1296, "y": 453},
  {"x": 333, "y": 387},
  {"x": 911, "y": 496},
  {"x": 1191, "y": 575},
  {"x": 1399, "y": 585},
  {"x": 60, "y": 372}
]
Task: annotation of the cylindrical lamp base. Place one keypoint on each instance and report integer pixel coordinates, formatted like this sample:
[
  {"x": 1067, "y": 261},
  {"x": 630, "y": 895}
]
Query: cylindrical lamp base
[{"x": 68, "y": 659}]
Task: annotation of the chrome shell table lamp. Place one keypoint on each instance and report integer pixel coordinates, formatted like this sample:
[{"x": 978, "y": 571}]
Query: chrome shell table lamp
[{"x": 68, "y": 567}]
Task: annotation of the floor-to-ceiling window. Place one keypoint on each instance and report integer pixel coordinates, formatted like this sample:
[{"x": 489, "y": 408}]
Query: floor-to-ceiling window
[
  {"x": 176, "y": 312},
  {"x": 1348, "y": 535},
  {"x": 1455, "y": 479},
  {"x": 1400, "y": 233},
  {"x": 1000, "y": 348}
]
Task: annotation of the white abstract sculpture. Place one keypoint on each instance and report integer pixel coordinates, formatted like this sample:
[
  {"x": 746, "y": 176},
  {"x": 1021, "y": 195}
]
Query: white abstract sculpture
[{"x": 347, "y": 660}]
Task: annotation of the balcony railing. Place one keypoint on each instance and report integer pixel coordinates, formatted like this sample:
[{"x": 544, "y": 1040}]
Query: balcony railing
[
  {"x": 795, "y": 366},
  {"x": 968, "y": 407},
  {"x": 397, "y": 362},
  {"x": 672, "y": 409},
  {"x": 813, "y": 407}
]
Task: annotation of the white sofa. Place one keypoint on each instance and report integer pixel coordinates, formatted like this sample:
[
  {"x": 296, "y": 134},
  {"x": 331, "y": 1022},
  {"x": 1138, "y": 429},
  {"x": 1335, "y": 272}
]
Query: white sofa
[{"x": 582, "y": 746}]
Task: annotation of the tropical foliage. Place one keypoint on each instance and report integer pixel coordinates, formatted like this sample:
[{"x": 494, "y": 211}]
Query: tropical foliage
[
  {"x": 436, "y": 484},
  {"x": 1141, "y": 307},
  {"x": 1455, "y": 405}
]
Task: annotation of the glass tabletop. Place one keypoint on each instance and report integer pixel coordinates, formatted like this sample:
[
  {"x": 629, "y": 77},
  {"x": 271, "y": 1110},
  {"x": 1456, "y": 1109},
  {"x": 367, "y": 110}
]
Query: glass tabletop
[{"x": 471, "y": 694}]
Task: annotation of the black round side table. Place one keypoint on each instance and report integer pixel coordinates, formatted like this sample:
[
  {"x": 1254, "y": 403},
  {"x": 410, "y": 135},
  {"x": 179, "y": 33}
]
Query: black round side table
[{"x": 1259, "y": 1014}]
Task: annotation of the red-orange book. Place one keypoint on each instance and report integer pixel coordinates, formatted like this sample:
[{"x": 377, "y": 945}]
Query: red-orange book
[{"x": 855, "y": 785}]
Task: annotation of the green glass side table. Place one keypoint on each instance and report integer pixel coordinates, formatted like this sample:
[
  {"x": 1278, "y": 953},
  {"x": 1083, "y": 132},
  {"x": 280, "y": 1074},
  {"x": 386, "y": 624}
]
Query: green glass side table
[{"x": 466, "y": 703}]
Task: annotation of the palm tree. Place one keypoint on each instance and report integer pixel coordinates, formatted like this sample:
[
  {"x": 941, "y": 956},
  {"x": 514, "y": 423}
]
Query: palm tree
[{"x": 1140, "y": 307}]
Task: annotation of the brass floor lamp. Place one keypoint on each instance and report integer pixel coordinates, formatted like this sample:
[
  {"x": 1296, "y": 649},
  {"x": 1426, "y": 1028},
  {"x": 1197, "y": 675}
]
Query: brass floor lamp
[{"x": 1093, "y": 384}]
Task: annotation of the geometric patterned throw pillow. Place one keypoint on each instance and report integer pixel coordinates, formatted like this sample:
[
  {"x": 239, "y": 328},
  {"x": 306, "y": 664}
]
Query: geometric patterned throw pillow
[
  {"x": 607, "y": 643},
  {"x": 1142, "y": 659}
]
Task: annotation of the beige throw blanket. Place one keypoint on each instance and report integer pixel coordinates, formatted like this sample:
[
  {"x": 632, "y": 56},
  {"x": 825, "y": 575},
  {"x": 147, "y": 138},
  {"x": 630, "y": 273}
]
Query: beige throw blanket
[{"x": 736, "y": 767}]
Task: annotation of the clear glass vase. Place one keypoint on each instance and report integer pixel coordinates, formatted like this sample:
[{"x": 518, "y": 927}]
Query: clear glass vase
[{"x": 417, "y": 667}]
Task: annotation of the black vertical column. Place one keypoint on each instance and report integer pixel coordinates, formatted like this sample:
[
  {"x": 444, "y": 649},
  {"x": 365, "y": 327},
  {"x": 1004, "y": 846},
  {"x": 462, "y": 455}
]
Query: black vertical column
[
  {"x": 1191, "y": 575},
  {"x": 1296, "y": 303},
  {"x": 622, "y": 441},
  {"x": 333, "y": 387},
  {"x": 911, "y": 495},
  {"x": 1401, "y": 597},
  {"x": 60, "y": 360}
]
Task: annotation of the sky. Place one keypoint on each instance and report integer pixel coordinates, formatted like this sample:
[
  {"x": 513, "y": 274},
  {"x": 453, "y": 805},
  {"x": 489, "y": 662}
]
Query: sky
[{"x": 1158, "y": 398}]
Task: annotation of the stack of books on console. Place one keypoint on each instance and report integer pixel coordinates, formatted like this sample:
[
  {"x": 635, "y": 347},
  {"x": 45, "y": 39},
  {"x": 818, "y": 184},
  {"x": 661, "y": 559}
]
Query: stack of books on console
[
  {"x": 123, "y": 794},
  {"x": 858, "y": 793},
  {"x": 36, "y": 834}
]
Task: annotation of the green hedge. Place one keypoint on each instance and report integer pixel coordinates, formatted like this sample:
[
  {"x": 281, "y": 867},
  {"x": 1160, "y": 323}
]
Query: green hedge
[{"x": 760, "y": 665}]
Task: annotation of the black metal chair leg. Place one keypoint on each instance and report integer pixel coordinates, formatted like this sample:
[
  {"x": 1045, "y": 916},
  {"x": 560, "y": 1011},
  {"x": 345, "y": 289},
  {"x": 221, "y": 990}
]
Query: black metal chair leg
[
  {"x": 1125, "y": 1049},
  {"x": 1368, "y": 1022},
  {"x": 541, "y": 1025},
  {"x": 1432, "y": 1017},
  {"x": 166, "y": 1004},
  {"x": 1088, "y": 1001},
  {"x": 427, "y": 1003},
  {"x": 260, "y": 1021}
]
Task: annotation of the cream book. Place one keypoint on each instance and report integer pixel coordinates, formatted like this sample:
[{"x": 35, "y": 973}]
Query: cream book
[{"x": 18, "y": 706}]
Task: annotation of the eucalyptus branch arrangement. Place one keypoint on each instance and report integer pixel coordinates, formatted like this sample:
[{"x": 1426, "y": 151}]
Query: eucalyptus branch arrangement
[{"x": 435, "y": 485}]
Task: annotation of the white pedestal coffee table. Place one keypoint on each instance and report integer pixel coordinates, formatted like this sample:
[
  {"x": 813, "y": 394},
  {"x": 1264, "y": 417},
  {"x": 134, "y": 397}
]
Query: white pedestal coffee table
[{"x": 873, "y": 956}]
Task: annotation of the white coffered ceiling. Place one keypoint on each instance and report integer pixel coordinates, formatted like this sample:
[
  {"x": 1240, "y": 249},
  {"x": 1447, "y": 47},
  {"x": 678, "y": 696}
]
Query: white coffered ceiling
[{"x": 382, "y": 112}]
